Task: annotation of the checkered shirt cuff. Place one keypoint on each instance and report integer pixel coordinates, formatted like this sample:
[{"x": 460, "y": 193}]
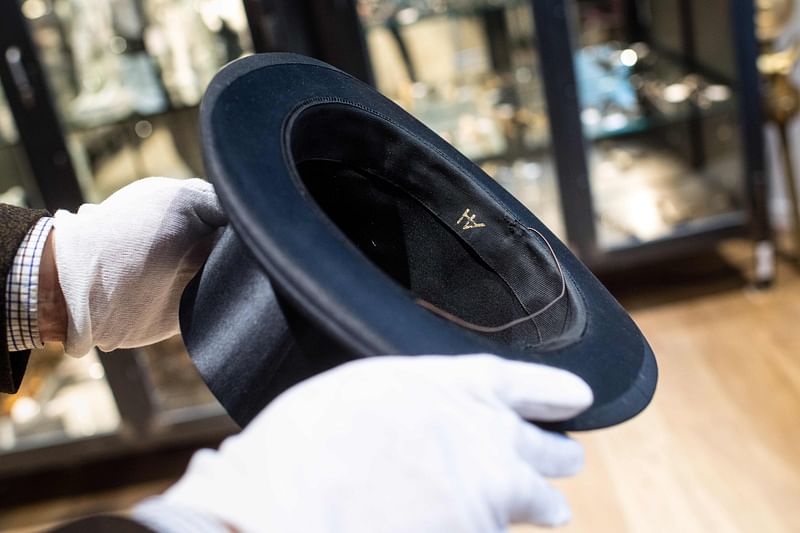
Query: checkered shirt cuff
[{"x": 22, "y": 290}]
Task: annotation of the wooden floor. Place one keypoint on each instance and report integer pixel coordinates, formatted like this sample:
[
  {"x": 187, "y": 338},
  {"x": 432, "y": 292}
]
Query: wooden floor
[{"x": 718, "y": 450}]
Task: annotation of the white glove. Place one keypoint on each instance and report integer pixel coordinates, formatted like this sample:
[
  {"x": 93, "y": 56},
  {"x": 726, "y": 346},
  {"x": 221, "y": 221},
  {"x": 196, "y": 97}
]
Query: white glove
[
  {"x": 123, "y": 264},
  {"x": 392, "y": 444}
]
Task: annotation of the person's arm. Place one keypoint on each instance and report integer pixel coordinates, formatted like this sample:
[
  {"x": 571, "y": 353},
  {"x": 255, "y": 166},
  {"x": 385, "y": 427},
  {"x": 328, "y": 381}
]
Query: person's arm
[
  {"x": 110, "y": 275},
  {"x": 426, "y": 444},
  {"x": 123, "y": 264},
  {"x": 19, "y": 253}
]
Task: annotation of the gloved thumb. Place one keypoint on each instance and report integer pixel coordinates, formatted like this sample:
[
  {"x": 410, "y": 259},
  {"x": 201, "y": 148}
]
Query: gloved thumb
[{"x": 199, "y": 197}]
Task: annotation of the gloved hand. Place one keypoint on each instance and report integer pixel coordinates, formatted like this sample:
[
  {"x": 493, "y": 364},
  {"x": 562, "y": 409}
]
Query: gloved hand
[
  {"x": 392, "y": 444},
  {"x": 123, "y": 264}
]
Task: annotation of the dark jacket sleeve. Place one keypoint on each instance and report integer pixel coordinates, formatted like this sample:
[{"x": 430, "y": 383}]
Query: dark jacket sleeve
[
  {"x": 14, "y": 224},
  {"x": 103, "y": 524}
]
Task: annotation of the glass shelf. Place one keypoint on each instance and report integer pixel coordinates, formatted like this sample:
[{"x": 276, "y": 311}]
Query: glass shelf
[
  {"x": 644, "y": 192},
  {"x": 628, "y": 89},
  {"x": 408, "y": 12}
]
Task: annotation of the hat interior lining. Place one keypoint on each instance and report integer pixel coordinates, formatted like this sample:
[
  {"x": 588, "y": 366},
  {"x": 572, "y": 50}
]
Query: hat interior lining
[{"x": 424, "y": 222}]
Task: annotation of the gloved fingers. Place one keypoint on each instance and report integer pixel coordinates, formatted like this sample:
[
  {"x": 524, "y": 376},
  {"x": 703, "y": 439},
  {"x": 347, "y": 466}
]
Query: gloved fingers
[
  {"x": 205, "y": 204},
  {"x": 534, "y": 391},
  {"x": 195, "y": 256},
  {"x": 550, "y": 454},
  {"x": 142, "y": 192},
  {"x": 123, "y": 264},
  {"x": 535, "y": 501},
  {"x": 193, "y": 194},
  {"x": 84, "y": 209}
]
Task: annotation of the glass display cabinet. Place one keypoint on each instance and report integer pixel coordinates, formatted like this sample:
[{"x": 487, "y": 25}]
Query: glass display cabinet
[
  {"x": 127, "y": 77},
  {"x": 631, "y": 127},
  {"x": 669, "y": 110},
  {"x": 106, "y": 92},
  {"x": 660, "y": 112}
]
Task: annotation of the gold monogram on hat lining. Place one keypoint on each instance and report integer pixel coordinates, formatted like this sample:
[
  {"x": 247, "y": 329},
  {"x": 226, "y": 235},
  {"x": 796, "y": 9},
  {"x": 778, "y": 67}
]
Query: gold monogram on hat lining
[{"x": 469, "y": 221}]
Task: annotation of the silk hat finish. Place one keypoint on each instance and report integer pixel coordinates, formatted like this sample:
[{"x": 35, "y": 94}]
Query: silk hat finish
[{"x": 355, "y": 231}]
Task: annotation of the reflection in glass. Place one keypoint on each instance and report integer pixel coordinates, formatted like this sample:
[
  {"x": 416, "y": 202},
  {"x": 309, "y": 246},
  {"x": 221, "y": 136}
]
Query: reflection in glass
[
  {"x": 656, "y": 87},
  {"x": 8, "y": 130},
  {"x": 16, "y": 183},
  {"x": 62, "y": 398},
  {"x": 127, "y": 77},
  {"x": 469, "y": 70},
  {"x": 176, "y": 380}
]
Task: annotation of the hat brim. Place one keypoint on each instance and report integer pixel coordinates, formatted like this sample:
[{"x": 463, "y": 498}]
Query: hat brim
[{"x": 334, "y": 304}]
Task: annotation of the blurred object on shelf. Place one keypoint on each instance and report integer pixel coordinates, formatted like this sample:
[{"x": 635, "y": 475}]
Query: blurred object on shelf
[
  {"x": 460, "y": 92},
  {"x": 191, "y": 40},
  {"x": 644, "y": 193},
  {"x": 14, "y": 196},
  {"x": 781, "y": 96},
  {"x": 629, "y": 87},
  {"x": 771, "y": 18},
  {"x": 605, "y": 87},
  {"x": 8, "y": 132},
  {"x": 117, "y": 154},
  {"x": 529, "y": 181},
  {"x": 17, "y": 186},
  {"x": 61, "y": 399}
]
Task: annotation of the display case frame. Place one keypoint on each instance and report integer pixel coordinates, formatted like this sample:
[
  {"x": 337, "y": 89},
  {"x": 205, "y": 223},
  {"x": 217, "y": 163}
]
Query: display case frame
[{"x": 556, "y": 47}]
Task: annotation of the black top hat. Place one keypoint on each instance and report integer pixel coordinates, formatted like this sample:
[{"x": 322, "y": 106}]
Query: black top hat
[{"x": 378, "y": 237}]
